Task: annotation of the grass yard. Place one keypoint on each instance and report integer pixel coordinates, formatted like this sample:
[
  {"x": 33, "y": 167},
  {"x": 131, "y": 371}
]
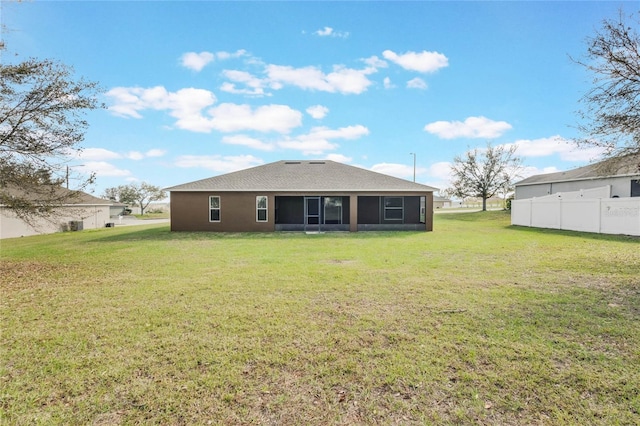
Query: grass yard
[{"x": 477, "y": 322}]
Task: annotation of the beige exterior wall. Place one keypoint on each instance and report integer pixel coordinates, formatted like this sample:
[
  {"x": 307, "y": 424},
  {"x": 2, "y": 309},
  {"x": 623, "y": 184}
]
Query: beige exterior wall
[
  {"x": 92, "y": 217},
  {"x": 190, "y": 210}
]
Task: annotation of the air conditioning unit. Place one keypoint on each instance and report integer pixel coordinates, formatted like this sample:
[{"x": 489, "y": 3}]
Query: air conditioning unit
[{"x": 76, "y": 225}]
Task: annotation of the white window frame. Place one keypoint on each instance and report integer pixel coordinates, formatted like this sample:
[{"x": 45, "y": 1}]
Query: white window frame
[
  {"x": 265, "y": 208},
  {"x": 401, "y": 208},
  {"x": 211, "y": 208}
]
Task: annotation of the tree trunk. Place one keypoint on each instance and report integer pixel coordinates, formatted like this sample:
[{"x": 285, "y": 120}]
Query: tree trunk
[{"x": 484, "y": 204}]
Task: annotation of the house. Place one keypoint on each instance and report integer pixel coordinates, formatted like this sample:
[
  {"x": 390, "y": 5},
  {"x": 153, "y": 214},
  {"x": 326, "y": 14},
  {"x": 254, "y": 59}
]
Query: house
[
  {"x": 621, "y": 174},
  {"x": 117, "y": 209},
  {"x": 307, "y": 196},
  {"x": 83, "y": 211},
  {"x": 600, "y": 198},
  {"x": 441, "y": 202}
]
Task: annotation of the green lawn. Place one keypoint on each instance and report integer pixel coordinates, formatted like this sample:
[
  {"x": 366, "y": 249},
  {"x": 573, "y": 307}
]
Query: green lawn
[{"x": 477, "y": 322}]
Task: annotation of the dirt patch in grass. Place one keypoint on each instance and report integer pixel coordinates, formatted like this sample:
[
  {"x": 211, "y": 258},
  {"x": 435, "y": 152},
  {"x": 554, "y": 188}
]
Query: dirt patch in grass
[{"x": 31, "y": 274}]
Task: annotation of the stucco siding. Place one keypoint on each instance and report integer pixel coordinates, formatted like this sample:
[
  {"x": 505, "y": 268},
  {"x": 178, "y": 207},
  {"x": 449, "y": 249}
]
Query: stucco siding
[
  {"x": 92, "y": 217},
  {"x": 190, "y": 212}
]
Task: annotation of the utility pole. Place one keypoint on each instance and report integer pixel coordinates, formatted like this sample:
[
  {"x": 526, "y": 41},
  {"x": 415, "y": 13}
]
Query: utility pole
[
  {"x": 414, "y": 165},
  {"x": 67, "y": 176}
]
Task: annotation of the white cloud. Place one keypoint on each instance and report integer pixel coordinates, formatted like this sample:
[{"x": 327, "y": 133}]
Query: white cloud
[
  {"x": 267, "y": 118},
  {"x": 275, "y": 77},
  {"x": 417, "y": 83},
  {"x": 330, "y": 32},
  {"x": 348, "y": 80},
  {"x": 472, "y": 127},
  {"x": 308, "y": 145},
  {"x": 196, "y": 61},
  {"x": 97, "y": 154},
  {"x": 440, "y": 170},
  {"x": 321, "y": 139},
  {"x": 254, "y": 86},
  {"x": 155, "y": 153},
  {"x": 387, "y": 83},
  {"x": 134, "y": 155},
  {"x": 129, "y": 101},
  {"x": 318, "y": 111},
  {"x": 375, "y": 62},
  {"x": 326, "y": 31},
  {"x": 529, "y": 171},
  {"x": 566, "y": 149},
  {"x": 438, "y": 175},
  {"x": 349, "y": 132},
  {"x": 418, "y": 61},
  {"x": 341, "y": 80},
  {"x": 101, "y": 154},
  {"x": 218, "y": 163},
  {"x": 102, "y": 168},
  {"x": 398, "y": 170},
  {"x": 186, "y": 106},
  {"x": 339, "y": 158},
  {"x": 228, "y": 55},
  {"x": 249, "y": 142}
]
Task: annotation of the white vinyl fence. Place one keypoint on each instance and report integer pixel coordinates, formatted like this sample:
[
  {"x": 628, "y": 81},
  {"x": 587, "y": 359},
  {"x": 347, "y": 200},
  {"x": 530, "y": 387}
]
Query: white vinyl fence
[{"x": 600, "y": 215}]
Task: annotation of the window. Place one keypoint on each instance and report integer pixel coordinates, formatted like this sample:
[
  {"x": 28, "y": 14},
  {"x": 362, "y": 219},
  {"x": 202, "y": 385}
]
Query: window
[
  {"x": 261, "y": 208},
  {"x": 214, "y": 208},
  {"x": 393, "y": 208},
  {"x": 333, "y": 210}
]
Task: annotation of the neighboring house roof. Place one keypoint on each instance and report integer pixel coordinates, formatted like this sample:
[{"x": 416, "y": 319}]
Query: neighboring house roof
[
  {"x": 294, "y": 176},
  {"x": 628, "y": 165},
  {"x": 75, "y": 198}
]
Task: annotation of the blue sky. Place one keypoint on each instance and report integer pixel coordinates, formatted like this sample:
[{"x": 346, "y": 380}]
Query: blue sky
[{"x": 197, "y": 89}]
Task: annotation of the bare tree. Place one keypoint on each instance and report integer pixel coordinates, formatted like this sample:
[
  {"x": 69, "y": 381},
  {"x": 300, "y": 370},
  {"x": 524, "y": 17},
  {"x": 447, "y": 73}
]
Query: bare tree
[
  {"x": 610, "y": 117},
  {"x": 41, "y": 125},
  {"x": 484, "y": 173}
]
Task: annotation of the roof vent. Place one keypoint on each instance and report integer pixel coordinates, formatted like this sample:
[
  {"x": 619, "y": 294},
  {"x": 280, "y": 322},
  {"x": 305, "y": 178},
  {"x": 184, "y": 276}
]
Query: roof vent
[
  {"x": 291, "y": 162},
  {"x": 316, "y": 162}
]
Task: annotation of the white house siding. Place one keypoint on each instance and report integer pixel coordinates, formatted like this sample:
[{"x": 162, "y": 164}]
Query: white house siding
[
  {"x": 620, "y": 187},
  {"x": 92, "y": 217}
]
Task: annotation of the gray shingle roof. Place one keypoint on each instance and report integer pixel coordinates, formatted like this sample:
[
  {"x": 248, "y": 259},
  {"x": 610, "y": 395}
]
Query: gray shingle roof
[
  {"x": 45, "y": 192},
  {"x": 628, "y": 165},
  {"x": 290, "y": 176}
]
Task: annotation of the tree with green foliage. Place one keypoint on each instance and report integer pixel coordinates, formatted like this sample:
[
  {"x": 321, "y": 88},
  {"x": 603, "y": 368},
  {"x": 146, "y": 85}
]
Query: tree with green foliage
[
  {"x": 42, "y": 123},
  {"x": 484, "y": 173},
  {"x": 610, "y": 117},
  {"x": 135, "y": 194}
]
